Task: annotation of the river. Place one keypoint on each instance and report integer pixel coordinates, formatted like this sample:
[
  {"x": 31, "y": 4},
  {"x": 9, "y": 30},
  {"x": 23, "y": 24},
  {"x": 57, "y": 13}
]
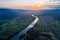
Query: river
[{"x": 24, "y": 31}]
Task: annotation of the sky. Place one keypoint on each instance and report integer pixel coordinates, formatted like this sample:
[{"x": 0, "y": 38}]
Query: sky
[{"x": 24, "y": 3}]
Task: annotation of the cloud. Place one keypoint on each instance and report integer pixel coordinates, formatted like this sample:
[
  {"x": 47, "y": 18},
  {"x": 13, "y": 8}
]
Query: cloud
[{"x": 19, "y": 3}]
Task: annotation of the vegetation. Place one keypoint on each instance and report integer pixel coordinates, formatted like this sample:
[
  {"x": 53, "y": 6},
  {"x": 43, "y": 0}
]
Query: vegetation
[
  {"x": 55, "y": 27},
  {"x": 11, "y": 23},
  {"x": 12, "y": 26}
]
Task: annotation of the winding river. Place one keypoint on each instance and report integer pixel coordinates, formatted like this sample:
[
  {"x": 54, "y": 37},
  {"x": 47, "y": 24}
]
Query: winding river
[{"x": 24, "y": 31}]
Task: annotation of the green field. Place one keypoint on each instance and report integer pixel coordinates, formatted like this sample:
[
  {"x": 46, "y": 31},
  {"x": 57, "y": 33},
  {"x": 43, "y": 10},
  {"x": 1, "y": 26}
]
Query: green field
[
  {"x": 53, "y": 25},
  {"x": 12, "y": 26}
]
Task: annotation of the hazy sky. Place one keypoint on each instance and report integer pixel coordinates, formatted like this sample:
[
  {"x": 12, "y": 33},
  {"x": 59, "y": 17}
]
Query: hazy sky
[
  {"x": 25, "y": 2},
  {"x": 19, "y": 3}
]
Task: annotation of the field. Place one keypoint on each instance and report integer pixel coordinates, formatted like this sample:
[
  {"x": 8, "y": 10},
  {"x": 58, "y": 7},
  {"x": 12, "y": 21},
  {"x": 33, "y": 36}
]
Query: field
[
  {"x": 49, "y": 22},
  {"x": 13, "y": 21},
  {"x": 12, "y": 25}
]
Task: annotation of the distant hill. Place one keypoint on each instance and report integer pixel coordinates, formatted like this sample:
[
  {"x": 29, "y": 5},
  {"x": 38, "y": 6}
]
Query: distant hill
[
  {"x": 55, "y": 13},
  {"x": 10, "y": 13},
  {"x": 6, "y": 14}
]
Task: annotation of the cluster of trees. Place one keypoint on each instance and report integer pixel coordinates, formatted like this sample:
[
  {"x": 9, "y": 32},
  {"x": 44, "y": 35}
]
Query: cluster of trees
[{"x": 13, "y": 26}]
